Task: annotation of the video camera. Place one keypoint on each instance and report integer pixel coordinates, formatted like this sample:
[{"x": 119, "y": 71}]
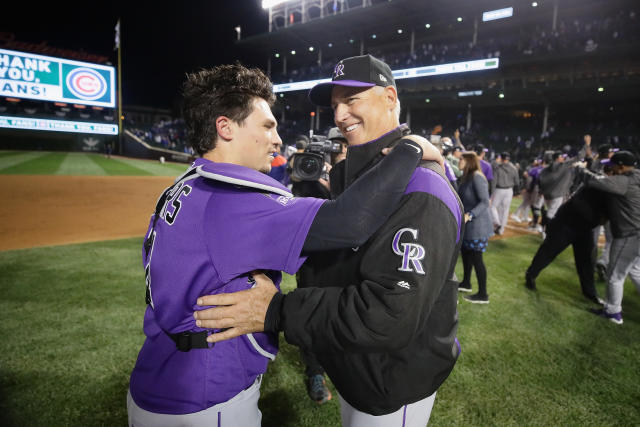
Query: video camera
[{"x": 309, "y": 166}]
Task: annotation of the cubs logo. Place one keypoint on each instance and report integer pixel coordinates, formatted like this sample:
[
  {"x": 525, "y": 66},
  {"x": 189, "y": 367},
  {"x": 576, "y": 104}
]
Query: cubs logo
[
  {"x": 86, "y": 84},
  {"x": 411, "y": 253}
]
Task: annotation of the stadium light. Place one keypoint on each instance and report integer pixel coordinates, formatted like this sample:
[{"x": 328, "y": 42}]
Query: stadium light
[
  {"x": 330, "y": 44},
  {"x": 351, "y": 41},
  {"x": 266, "y": 4},
  {"x": 427, "y": 26},
  {"x": 427, "y": 100},
  {"x": 277, "y": 55},
  {"x": 534, "y": 4},
  {"x": 600, "y": 89},
  {"x": 470, "y": 93},
  {"x": 501, "y": 95},
  {"x": 310, "y": 48},
  {"x": 492, "y": 15},
  {"x": 373, "y": 36},
  {"x": 459, "y": 18},
  {"x": 399, "y": 30},
  {"x": 282, "y": 95},
  {"x": 407, "y": 73},
  {"x": 293, "y": 52}
]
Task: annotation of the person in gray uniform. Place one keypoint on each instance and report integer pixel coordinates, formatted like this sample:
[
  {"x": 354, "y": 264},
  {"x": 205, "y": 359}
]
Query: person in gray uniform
[
  {"x": 624, "y": 217},
  {"x": 506, "y": 178}
]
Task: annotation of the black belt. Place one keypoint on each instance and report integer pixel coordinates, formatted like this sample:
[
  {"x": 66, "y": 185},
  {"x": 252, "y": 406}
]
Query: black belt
[
  {"x": 503, "y": 188},
  {"x": 185, "y": 341}
]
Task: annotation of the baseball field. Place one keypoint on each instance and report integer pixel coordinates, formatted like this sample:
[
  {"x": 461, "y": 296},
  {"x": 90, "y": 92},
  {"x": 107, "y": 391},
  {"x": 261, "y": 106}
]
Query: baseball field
[{"x": 72, "y": 300}]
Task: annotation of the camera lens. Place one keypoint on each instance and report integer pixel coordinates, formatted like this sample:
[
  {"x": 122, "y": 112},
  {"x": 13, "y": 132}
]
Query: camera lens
[{"x": 310, "y": 166}]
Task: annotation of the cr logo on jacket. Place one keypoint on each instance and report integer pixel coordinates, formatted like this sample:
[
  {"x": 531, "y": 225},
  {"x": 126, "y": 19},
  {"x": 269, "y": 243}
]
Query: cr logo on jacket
[{"x": 411, "y": 253}]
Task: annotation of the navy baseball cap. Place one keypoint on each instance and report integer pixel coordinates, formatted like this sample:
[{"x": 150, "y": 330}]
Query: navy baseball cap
[
  {"x": 357, "y": 71},
  {"x": 623, "y": 158}
]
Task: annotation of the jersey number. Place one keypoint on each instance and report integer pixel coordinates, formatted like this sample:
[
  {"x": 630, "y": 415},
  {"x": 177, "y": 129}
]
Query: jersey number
[{"x": 170, "y": 217}]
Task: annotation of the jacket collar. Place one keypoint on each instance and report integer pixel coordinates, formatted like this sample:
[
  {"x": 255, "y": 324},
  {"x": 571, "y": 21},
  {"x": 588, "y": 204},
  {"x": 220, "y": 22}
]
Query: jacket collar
[
  {"x": 239, "y": 175},
  {"x": 361, "y": 157}
]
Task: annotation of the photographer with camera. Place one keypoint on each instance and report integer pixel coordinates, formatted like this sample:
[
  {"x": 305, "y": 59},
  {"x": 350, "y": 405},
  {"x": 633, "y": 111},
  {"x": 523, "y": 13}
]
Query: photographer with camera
[{"x": 309, "y": 171}]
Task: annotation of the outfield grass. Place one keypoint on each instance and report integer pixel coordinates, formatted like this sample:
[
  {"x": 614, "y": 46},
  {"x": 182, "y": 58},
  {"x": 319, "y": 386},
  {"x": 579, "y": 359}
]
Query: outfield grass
[
  {"x": 61, "y": 163},
  {"x": 71, "y": 319}
]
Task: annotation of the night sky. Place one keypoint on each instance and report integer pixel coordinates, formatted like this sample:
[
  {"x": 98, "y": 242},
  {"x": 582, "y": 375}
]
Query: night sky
[{"x": 161, "y": 41}]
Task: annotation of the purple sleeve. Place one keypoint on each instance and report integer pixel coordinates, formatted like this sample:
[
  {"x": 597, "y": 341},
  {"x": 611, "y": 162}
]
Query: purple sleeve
[{"x": 255, "y": 231}]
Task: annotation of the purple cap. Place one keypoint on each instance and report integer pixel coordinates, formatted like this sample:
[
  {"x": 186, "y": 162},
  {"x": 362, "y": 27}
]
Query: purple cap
[{"x": 357, "y": 71}]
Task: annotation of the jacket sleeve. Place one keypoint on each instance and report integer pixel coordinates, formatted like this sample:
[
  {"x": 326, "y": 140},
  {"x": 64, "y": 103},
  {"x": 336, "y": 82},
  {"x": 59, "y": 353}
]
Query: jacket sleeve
[
  {"x": 354, "y": 216},
  {"x": 614, "y": 184},
  {"x": 402, "y": 273},
  {"x": 481, "y": 188}
]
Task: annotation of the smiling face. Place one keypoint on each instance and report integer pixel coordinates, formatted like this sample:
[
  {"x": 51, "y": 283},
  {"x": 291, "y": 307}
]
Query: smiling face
[
  {"x": 363, "y": 115},
  {"x": 256, "y": 140}
]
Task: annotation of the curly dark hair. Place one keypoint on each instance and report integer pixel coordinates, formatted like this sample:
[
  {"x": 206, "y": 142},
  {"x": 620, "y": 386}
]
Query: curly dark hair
[{"x": 225, "y": 90}]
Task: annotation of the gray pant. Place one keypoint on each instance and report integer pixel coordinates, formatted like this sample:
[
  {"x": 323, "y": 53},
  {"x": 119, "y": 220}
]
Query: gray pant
[
  {"x": 501, "y": 201},
  {"x": 414, "y": 414},
  {"x": 239, "y": 411},
  {"x": 624, "y": 258}
]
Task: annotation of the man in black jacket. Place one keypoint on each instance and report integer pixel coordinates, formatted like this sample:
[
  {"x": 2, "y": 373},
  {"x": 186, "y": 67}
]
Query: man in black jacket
[
  {"x": 573, "y": 225},
  {"x": 384, "y": 322}
]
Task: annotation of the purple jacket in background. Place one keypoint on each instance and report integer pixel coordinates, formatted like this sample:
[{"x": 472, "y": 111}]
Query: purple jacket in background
[
  {"x": 218, "y": 225},
  {"x": 448, "y": 170},
  {"x": 487, "y": 170}
]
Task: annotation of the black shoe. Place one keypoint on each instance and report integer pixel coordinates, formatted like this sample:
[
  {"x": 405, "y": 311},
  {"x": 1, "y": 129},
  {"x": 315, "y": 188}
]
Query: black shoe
[
  {"x": 477, "y": 299},
  {"x": 464, "y": 287},
  {"x": 596, "y": 300},
  {"x": 317, "y": 389},
  {"x": 601, "y": 269},
  {"x": 529, "y": 281}
]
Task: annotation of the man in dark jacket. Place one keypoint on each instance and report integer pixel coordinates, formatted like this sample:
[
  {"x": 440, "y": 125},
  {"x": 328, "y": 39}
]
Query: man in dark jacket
[
  {"x": 385, "y": 329},
  {"x": 572, "y": 225},
  {"x": 624, "y": 216}
]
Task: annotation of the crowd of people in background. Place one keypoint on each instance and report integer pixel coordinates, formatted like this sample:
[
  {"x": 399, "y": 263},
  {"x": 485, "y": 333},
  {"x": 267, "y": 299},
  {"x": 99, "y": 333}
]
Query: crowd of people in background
[
  {"x": 167, "y": 134},
  {"x": 573, "y": 36},
  {"x": 558, "y": 202}
]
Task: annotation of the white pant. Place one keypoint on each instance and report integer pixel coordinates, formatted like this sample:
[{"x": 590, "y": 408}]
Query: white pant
[
  {"x": 239, "y": 411},
  {"x": 553, "y": 205},
  {"x": 501, "y": 201},
  {"x": 608, "y": 237},
  {"x": 412, "y": 415}
]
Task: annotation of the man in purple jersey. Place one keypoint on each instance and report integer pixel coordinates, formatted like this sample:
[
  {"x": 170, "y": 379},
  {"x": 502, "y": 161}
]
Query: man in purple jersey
[
  {"x": 382, "y": 317},
  {"x": 485, "y": 166},
  {"x": 215, "y": 226}
]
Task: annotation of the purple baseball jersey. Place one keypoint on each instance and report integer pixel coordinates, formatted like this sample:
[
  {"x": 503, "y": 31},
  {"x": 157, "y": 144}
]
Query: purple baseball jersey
[
  {"x": 487, "y": 170},
  {"x": 448, "y": 170},
  {"x": 216, "y": 226},
  {"x": 534, "y": 172}
]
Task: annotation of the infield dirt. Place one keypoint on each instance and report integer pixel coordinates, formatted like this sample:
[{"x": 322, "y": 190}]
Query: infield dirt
[
  {"x": 48, "y": 210},
  {"x": 45, "y": 210}
]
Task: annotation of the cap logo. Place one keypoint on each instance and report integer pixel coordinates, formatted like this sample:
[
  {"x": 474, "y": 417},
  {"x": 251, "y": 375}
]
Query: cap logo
[
  {"x": 383, "y": 78},
  {"x": 338, "y": 71}
]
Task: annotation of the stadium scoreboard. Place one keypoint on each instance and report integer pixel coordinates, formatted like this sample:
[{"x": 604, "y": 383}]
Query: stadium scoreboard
[{"x": 46, "y": 78}]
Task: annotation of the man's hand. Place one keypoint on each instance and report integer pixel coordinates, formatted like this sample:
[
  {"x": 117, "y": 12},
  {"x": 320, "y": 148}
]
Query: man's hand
[
  {"x": 241, "y": 312},
  {"x": 429, "y": 151}
]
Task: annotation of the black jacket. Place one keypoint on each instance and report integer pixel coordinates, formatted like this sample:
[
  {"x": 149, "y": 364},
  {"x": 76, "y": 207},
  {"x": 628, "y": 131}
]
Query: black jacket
[{"x": 383, "y": 321}]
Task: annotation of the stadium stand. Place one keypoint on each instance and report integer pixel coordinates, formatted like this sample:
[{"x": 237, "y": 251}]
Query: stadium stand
[{"x": 566, "y": 68}]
